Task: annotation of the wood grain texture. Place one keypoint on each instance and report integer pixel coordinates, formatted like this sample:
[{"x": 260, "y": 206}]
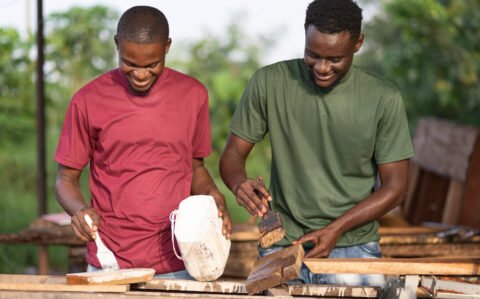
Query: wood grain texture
[
  {"x": 219, "y": 286},
  {"x": 53, "y": 284},
  {"x": 275, "y": 269},
  {"x": 390, "y": 266},
  {"x": 432, "y": 250},
  {"x": 123, "y": 276}
]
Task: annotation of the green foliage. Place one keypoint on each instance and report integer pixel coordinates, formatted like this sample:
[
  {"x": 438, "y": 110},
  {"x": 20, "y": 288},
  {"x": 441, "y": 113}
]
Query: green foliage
[
  {"x": 430, "y": 49},
  {"x": 16, "y": 88},
  {"x": 225, "y": 65}
]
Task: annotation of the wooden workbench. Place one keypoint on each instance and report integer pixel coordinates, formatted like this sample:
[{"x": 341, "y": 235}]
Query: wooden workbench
[{"x": 43, "y": 287}]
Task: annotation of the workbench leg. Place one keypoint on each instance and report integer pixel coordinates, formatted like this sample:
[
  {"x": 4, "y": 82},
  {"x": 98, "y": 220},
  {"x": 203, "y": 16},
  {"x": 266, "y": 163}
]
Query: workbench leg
[
  {"x": 42, "y": 260},
  {"x": 404, "y": 288},
  {"x": 410, "y": 289}
]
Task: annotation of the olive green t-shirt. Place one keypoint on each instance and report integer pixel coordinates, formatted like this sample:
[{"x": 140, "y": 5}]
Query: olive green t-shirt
[{"x": 325, "y": 145}]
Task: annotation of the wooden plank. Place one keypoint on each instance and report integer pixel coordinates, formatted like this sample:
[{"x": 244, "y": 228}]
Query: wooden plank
[
  {"x": 390, "y": 266},
  {"x": 122, "y": 276},
  {"x": 434, "y": 285},
  {"x": 279, "y": 292},
  {"x": 409, "y": 230},
  {"x": 471, "y": 197},
  {"x": 432, "y": 250},
  {"x": 52, "y": 284},
  {"x": 453, "y": 203},
  {"x": 275, "y": 269},
  {"x": 412, "y": 239},
  {"x": 429, "y": 199},
  {"x": 334, "y": 291},
  {"x": 219, "y": 286},
  {"x": 243, "y": 255}
]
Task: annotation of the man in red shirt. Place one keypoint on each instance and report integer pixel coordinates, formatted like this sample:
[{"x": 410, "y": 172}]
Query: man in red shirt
[{"x": 144, "y": 130}]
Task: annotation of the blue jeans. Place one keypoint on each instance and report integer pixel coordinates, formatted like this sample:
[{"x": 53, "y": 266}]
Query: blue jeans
[
  {"x": 367, "y": 250},
  {"x": 183, "y": 274}
]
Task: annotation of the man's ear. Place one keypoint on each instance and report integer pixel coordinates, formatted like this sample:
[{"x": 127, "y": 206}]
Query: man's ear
[
  {"x": 115, "y": 38},
  {"x": 359, "y": 43},
  {"x": 168, "y": 44}
]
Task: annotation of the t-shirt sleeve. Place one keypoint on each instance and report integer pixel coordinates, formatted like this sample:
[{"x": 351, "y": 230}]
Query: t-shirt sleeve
[
  {"x": 202, "y": 139},
  {"x": 393, "y": 141},
  {"x": 249, "y": 121},
  {"x": 74, "y": 147}
]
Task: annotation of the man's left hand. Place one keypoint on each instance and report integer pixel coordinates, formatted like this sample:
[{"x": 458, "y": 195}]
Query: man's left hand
[
  {"x": 223, "y": 213},
  {"x": 324, "y": 239}
]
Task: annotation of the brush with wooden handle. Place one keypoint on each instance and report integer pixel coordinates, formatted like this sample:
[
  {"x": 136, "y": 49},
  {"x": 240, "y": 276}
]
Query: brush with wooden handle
[
  {"x": 105, "y": 256},
  {"x": 270, "y": 227}
]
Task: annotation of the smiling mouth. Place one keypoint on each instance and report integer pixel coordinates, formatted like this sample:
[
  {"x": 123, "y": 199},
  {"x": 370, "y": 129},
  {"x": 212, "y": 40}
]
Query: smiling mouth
[{"x": 141, "y": 84}]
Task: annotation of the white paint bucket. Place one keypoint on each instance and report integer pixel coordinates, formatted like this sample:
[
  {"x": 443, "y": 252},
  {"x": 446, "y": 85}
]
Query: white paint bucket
[{"x": 198, "y": 231}]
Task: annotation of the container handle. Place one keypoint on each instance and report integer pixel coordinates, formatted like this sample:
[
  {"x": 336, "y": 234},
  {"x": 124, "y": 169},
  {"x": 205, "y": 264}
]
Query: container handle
[{"x": 173, "y": 218}]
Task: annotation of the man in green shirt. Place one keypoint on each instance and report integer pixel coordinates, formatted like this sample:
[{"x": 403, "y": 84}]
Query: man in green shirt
[{"x": 332, "y": 129}]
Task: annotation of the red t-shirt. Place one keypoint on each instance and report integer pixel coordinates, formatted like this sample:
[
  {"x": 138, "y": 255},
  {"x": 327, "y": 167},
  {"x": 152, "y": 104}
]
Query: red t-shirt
[{"x": 140, "y": 150}]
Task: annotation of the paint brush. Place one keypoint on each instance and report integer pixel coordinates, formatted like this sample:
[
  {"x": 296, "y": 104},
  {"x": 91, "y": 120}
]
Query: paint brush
[
  {"x": 270, "y": 226},
  {"x": 105, "y": 256}
]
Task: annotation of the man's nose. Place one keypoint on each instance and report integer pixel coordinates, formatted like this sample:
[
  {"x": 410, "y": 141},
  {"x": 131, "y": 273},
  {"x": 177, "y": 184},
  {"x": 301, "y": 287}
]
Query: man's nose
[
  {"x": 140, "y": 73},
  {"x": 322, "y": 66}
]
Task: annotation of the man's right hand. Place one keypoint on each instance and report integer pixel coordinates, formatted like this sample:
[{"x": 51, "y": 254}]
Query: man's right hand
[
  {"x": 253, "y": 196},
  {"x": 80, "y": 226}
]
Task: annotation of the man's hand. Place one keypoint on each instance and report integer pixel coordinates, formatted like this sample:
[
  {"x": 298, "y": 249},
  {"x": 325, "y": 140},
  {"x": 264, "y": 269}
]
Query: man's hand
[
  {"x": 80, "y": 226},
  {"x": 324, "y": 239},
  {"x": 249, "y": 194},
  {"x": 223, "y": 213}
]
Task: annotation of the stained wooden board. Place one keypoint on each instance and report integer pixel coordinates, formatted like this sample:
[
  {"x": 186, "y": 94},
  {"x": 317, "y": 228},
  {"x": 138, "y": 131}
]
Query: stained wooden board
[
  {"x": 334, "y": 291},
  {"x": 275, "y": 269},
  {"x": 53, "y": 284},
  {"x": 391, "y": 266},
  {"x": 123, "y": 276},
  {"x": 238, "y": 287},
  {"x": 219, "y": 286}
]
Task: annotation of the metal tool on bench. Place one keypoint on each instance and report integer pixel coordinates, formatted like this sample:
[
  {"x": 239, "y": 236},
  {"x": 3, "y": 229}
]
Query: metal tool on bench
[{"x": 105, "y": 256}]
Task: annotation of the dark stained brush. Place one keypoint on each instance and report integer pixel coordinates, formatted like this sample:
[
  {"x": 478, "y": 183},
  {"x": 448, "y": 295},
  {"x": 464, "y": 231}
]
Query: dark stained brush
[{"x": 271, "y": 229}]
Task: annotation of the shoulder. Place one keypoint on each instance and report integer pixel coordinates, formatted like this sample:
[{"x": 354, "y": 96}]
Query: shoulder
[
  {"x": 374, "y": 83},
  {"x": 183, "y": 80},
  {"x": 282, "y": 67},
  {"x": 110, "y": 79}
]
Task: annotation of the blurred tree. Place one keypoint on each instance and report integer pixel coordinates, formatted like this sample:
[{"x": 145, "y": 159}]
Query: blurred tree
[
  {"x": 431, "y": 50},
  {"x": 17, "y": 88}
]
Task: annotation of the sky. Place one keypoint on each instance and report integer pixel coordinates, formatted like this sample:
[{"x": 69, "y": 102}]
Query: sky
[{"x": 192, "y": 19}]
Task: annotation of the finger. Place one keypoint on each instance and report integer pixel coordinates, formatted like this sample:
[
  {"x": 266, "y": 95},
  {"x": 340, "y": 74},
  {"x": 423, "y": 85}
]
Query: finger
[
  {"x": 257, "y": 204},
  {"x": 305, "y": 238},
  {"x": 245, "y": 202},
  {"x": 79, "y": 234},
  {"x": 317, "y": 252},
  {"x": 261, "y": 189}
]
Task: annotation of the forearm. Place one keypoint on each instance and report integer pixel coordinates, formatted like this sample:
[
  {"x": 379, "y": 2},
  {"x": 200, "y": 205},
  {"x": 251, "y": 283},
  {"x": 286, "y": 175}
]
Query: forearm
[
  {"x": 202, "y": 182},
  {"x": 232, "y": 171},
  {"x": 372, "y": 208},
  {"x": 394, "y": 178},
  {"x": 69, "y": 195}
]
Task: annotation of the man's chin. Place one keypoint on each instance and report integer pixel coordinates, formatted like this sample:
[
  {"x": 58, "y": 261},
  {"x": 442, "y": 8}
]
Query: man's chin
[{"x": 139, "y": 91}]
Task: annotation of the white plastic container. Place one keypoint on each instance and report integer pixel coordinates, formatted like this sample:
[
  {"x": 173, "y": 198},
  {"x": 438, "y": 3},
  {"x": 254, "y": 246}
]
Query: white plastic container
[{"x": 198, "y": 231}]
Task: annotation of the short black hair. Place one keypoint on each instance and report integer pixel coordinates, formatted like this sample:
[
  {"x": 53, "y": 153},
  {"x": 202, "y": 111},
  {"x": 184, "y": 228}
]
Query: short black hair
[
  {"x": 143, "y": 25},
  {"x": 334, "y": 16}
]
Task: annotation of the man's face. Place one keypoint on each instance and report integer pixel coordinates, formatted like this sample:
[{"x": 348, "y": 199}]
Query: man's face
[
  {"x": 329, "y": 56},
  {"x": 142, "y": 63}
]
